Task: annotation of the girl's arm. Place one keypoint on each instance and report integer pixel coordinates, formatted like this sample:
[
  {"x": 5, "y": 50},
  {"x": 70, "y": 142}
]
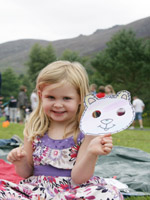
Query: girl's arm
[
  {"x": 21, "y": 157},
  {"x": 88, "y": 153}
]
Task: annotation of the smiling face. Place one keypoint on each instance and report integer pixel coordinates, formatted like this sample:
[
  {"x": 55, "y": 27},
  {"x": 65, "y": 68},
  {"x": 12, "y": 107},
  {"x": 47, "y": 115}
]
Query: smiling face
[
  {"x": 107, "y": 115},
  {"x": 60, "y": 102}
]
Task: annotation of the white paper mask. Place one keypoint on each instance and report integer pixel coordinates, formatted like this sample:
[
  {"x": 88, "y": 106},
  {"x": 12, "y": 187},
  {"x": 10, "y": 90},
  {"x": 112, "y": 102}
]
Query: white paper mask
[{"x": 110, "y": 114}]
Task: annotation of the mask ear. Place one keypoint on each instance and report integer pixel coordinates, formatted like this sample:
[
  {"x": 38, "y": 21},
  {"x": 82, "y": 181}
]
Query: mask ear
[
  {"x": 124, "y": 94},
  {"x": 89, "y": 99}
]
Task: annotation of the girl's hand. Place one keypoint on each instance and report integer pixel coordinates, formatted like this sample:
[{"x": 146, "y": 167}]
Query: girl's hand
[
  {"x": 16, "y": 154},
  {"x": 100, "y": 145}
]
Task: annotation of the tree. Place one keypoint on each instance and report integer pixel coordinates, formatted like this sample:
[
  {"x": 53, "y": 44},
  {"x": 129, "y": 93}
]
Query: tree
[
  {"x": 39, "y": 57},
  {"x": 125, "y": 62},
  {"x": 146, "y": 83},
  {"x": 73, "y": 56},
  {"x": 24, "y": 80},
  {"x": 10, "y": 84}
]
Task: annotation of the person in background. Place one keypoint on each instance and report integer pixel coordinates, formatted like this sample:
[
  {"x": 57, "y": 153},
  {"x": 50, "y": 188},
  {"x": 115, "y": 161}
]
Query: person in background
[
  {"x": 6, "y": 111},
  {"x": 139, "y": 106},
  {"x": 22, "y": 102},
  {"x": 109, "y": 90},
  {"x": 34, "y": 100},
  {"x": 12, "y": 109},
  {"x": 57, "y": 160},
  {"x": 93, "y": 88},
  {"x": 101, "y": 92},
  {"x": 1, "y": 106}
]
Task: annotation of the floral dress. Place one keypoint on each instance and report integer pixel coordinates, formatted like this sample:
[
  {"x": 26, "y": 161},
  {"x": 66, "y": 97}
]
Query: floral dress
[{"x": 53, "y": 161}]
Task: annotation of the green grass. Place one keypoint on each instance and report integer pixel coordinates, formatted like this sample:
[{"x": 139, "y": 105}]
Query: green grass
[
  {"x": 138, "y": 198},
  {"x": 129, "y": 138},
  {"x": 12, "y": 129},
  {"x": 139, "y": 139},
  {"x": 146, "y": 120}
]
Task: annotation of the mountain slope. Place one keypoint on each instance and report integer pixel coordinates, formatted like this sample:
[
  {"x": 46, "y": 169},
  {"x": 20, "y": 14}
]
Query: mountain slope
[{"x": 15, "y": 53}]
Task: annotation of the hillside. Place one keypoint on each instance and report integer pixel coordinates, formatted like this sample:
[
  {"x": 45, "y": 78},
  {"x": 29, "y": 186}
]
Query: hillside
[{"x": 14, "y": 54}]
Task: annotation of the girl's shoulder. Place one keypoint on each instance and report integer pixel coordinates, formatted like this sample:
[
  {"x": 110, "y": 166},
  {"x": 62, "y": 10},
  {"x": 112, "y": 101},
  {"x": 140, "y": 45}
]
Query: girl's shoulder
[
  {"x": 36, "y": 141},
  {"x": 81, "y": 136}
]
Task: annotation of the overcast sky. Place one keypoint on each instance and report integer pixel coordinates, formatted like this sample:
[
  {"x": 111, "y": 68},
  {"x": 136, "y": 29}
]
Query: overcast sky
[{"x": 59, "y": 19}]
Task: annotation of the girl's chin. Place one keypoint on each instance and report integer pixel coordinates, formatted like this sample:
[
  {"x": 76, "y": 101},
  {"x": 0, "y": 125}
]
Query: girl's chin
[{"x": 58, "y": 119}]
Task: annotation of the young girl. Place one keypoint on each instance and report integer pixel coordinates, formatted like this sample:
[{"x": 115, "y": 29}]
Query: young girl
[
  {"x": 109, "y": 90},
  {"x": 57, "y": 160}
]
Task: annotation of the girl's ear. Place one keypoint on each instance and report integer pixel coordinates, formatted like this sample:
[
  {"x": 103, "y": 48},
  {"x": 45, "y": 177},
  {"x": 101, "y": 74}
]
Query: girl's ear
[{"x": 39, "y": 92}]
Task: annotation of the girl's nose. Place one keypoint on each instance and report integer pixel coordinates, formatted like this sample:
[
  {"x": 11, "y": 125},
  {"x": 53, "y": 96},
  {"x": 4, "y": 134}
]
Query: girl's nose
[{"x": 58, "y": 104}]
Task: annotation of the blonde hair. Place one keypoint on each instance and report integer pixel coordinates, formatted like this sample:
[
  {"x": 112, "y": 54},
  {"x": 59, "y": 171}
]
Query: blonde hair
[
  {"x": 92, "y": 87},
  {"x": 110, "y": 87},
  {"x": 57, "y": 72}
]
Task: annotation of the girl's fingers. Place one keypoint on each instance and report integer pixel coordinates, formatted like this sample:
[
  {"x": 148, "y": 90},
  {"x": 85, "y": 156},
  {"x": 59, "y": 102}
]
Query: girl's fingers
[
  {"x": 107, "y": 135},
  {"x": 22, "y": 154},
  {"x": 107, "y": 149},
  {"x": 108, "y": 145},
  {"x": 12, "y": 157},
  {"x": 106, "y": 140},
  {"x": 15, "y": 155}
]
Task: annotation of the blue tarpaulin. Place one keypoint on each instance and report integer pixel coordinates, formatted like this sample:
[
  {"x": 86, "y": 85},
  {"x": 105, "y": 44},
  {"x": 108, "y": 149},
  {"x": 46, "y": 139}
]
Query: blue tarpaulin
[{"x": 128, "y": 165}]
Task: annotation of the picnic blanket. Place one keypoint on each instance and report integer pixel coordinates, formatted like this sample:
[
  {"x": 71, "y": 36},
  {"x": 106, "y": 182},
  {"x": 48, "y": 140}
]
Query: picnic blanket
[
  {"x": 130, "y": 166},
  {"x": 7, "y": 172}
]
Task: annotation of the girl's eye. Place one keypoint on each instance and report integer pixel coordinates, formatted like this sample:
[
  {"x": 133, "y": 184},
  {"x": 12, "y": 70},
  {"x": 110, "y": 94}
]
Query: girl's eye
[
  {"x": 50, "y": 97},
  {"x": 121, "y": 111},
  {"x": 96, "y": 114},
  {"x": 67, "y": 98}
]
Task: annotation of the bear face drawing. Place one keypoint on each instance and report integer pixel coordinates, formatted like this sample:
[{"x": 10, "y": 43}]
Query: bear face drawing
[{"x": 110, "y": 114}]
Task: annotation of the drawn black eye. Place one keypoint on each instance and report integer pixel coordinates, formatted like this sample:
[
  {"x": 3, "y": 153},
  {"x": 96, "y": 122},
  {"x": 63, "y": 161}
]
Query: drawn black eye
[
  {"x": 121, "y": 111},
  {"x": 96, "y": 114}
]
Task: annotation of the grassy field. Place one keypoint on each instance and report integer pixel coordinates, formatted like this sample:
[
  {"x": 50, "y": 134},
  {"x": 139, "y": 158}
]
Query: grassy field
[
  {"x": 12, "y": 129},
  {"x": 129, "y": 138},
  {"x": 133, "y": 138}
]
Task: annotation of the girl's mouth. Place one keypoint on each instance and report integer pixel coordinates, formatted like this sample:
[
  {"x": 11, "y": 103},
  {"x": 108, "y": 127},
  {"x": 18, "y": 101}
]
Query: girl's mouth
[{"x": 58, "y": 112}]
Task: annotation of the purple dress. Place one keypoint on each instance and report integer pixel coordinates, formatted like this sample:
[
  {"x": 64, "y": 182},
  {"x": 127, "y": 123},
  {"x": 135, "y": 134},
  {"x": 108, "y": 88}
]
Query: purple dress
[{"x": 53, "y": 162}]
